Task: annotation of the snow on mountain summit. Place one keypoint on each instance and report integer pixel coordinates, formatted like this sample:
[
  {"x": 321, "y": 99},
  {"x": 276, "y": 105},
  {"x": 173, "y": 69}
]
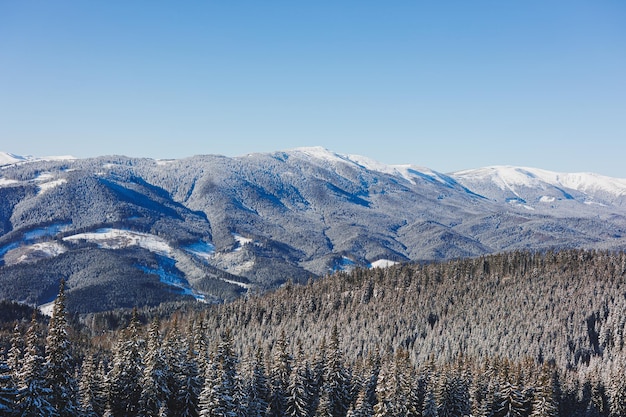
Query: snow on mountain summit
[
  {"x": 7, "y": 158},
  {"x": 509, "y": 180},
  {"x": 407, "y": 171}
]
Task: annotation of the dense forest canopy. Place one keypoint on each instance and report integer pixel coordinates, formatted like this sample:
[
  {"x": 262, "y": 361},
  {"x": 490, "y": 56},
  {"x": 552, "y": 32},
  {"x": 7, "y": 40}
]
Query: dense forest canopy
[{"x": 513, "y": 334}]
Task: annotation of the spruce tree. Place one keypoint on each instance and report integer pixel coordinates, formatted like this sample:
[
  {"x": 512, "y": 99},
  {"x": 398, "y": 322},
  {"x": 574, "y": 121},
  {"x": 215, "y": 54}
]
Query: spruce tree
[
  {"x": 191, "y": 386},
  {"x": 125, "y": 376},
  {"x": 258, "y": 387},
  {"x": 14, "y": 359},
  {"x": 60, "y": 361},
  {"x": 617, "y": 389},
  {"x": 34, "y": 394},
  {"x": 8, "y": 392},
  {"x": 336, "y": 378},
  {"x": 280, "y": 374},
  {"x": 543, "y": 404},
  {"x": 91, "y": 391},
  {"x": 154, "y": 385},
  {"x": 299, "y": 391},
  {"x": 429, "y": 408},
  {"x": 217, "y": 397}
]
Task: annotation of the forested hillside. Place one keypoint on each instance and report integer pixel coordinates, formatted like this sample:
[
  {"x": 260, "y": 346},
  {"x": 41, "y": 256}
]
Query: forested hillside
[
  {"x": 134, "y": 231},
  {"x": 514, "y": 334}
]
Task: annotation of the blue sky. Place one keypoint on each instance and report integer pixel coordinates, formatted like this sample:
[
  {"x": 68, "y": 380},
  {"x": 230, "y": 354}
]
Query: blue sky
[{"x": 449, "y": 84}]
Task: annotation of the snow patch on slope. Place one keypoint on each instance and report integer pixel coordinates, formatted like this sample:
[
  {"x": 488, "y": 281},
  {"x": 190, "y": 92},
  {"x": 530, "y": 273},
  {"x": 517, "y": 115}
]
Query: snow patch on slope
[
  {"x": 120, "y": 238},
  {"x": 382, "y": 263},
  {"x": 6, "y": 182},
  {"x": 50, "y": 185},
  {"x": 201, "y": 249}
]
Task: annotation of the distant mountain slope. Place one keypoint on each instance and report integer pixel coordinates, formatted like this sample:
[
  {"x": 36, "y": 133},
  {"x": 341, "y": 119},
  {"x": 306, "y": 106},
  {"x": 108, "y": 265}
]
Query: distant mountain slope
[{"x": 212, "y": 227}]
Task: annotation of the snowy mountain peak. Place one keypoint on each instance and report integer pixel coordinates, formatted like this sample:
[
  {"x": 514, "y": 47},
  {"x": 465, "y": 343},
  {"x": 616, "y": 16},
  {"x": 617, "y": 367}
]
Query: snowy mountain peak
[
  {"x": 7, "y": 158},
  {"x": 512, "y": 178}
]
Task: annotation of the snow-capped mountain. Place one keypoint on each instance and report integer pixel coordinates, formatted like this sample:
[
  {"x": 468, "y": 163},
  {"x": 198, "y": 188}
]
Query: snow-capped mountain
[
  {"x": 537, "y": 188},
  {"x": 126, "y": 231}
]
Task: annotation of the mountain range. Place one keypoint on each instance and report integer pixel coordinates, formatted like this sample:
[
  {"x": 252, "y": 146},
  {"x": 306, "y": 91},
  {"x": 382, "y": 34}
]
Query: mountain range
[{"x": 135, "y": 231}]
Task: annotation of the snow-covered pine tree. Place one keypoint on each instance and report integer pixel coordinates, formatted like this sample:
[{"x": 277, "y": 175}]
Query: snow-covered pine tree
[
  {"x": 8, "y": 391},
  {"x": 385, "y": 390},
  {"x": 191, "y": 384},
  {"x": 280, "y": 374},
  {"x": 208, "y": 404},
  {"x": 14, "y": 358},
  {"x": 154, "y": 385},
  {"x": 324, "y": 408},
  {"x": 60, "y": 365},
  {"x": 452, "y": 395},
  {"x": 258, "y": 387},
  {"x": 362, "y": 407},
  {"x": 34, "y": 395},
  {"x": 429, "y": 408},
  {"x": 336, "y": 378},
  {"x": 543, "y": 404},
  {"x": 125, "y": 376},
  {"x": 512, "y": 401},
  {"x": 91, "y": 392},
  {"x": 617, "y": 389},
  {"x": 175, "y": 357},
  {"x": 216, "y": 399},
  {"x": 299, "y": 391}
]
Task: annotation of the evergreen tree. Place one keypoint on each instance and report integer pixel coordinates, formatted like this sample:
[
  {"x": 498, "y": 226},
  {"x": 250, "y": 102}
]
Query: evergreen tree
[
  {"x": 191, "y": 385},
  {"x": 280, "y": 375},
  {"x": 217, "y": 397},
  {"x": 362, "y": 406},
  {"x": 336, "y": 378},
  {"x": 324, "y": 408},
  {"x": 299, "y": 391},
  {"x": 385, "y": 390},
  {"x": 60, "y": 362},
  {"x": 208, "y": 402},
  {"x": 34, "y": 395},
  {"x": 452, "y": 396},
  {"x": 617, "y": 390},
  {"x": 512, "y": 402},
  {"x": 430, "y": 406},
  {"x": 8, "y": 392},
  {"x": 258, "y": 388},
  {"x": 175, "y": 358},
  {"x": 91, "y": 392},
  {"x": 543, "y": 404},
  {"x": 14, "y": 359},
  {"x": 154, "y": 382},
  {"x": 126, "y": 374}
]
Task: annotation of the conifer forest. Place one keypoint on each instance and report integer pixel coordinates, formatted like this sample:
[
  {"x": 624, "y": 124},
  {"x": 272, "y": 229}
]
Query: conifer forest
[{"x": 512, "y": 334}]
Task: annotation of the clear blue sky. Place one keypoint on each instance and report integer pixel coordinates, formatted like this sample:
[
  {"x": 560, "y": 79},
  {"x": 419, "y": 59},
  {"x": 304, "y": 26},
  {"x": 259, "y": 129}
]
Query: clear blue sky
[{"x": 445, "y": 84}]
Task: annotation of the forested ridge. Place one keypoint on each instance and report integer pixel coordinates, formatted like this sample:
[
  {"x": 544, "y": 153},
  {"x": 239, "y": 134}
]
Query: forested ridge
[{"x": 513, "y": 334}]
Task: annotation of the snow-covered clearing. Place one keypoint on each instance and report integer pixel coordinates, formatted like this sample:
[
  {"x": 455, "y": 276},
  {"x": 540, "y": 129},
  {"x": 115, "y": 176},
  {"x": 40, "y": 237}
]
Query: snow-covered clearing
[
  {"x": 109, "y": 238},
  {"x": 382, "y": 263},
  {"x": 5, "y": 182},
  {"x": 51, "y": 184},
  {"x": 201, "y": 249},
  {"x": 46, "y": 231},
  {"x": 241, "y": 240},
  {"x": 46, "y": 309}
]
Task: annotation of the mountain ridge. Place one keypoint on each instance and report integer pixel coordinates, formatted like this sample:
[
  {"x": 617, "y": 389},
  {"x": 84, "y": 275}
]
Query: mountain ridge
[{"x": 253, "y": 222}]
